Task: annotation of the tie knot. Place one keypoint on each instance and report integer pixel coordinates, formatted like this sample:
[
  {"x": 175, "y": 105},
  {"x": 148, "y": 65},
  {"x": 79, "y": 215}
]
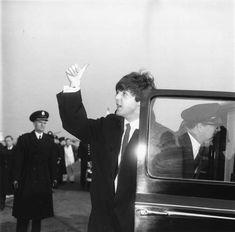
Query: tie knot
[{"x": 128, "y": 126}]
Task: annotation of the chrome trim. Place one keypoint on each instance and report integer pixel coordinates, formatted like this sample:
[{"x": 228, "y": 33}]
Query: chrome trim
[
  {"x": 184, "y": 207},
  {"x": 146, "y": 212}
]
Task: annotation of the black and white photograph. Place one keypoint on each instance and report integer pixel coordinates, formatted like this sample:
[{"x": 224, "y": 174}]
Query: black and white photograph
[{"x": 117, "y": 116}]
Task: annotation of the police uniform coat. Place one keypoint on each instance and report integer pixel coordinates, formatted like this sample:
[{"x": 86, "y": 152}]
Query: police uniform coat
[
  {"x": 111, "y": 212},
  {"x": 35, "y": 169}
]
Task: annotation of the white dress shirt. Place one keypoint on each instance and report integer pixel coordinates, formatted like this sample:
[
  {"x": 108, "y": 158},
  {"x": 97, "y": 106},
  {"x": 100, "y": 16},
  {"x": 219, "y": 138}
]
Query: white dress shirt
[
  {"x": 195, "y": 145},
  {"x": 134, "y": 126},
  {"x": 39, "y": 135}
]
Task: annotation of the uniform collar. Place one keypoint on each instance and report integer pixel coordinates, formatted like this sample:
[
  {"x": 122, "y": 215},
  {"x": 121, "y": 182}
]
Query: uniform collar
[
  {"x": 38, "y": 134},
  {"x": 10, "y": 148}
]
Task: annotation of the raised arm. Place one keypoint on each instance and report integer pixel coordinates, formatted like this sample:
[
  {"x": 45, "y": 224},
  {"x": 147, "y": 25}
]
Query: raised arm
[{"x": 72, "y": 112}]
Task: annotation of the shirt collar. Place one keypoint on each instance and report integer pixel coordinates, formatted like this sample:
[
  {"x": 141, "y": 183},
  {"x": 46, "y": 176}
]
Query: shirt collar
[
  {"x": 38, "y": 134},
  {"x": 195, "y": 145},
  {"x": 134, "y": 124},
  {"x": 10, "y": 148}
]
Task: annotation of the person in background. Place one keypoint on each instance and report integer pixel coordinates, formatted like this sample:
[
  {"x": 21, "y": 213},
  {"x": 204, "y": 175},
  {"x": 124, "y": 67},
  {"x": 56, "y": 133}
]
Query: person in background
[
  {"x": 60, "y": 160},
  {"x": 84, "y": 156},
  {"x": 69, "y": 154},
  {"x": 201, "y": 122},
  {"x": 8, "y": 156},
  {"x": 63, "y": 170},
  {"x": 34, "y": 175},
  {"x": 113, "y": 140},
  {"x": 89, "y": 175}
]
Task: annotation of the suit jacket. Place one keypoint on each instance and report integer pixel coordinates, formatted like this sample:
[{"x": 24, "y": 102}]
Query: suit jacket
[
  {"x": 198, "y": 168},
  {"x": 35, "y": 169},
  {"x": 110, "y": 211},
  {"x": 187, "y": 155}
]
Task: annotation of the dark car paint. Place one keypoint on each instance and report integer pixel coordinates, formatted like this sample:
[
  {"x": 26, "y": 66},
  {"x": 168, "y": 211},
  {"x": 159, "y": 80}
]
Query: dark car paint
[{"x": 167, "y": 204}]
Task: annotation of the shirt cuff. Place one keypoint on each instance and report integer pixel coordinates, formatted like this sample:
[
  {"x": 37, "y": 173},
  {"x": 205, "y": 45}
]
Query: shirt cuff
[{"x": 68, "y": 89}]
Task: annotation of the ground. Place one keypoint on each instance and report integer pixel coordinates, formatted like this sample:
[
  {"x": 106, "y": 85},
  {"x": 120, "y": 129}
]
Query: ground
[{"x": 71, "y": 207}]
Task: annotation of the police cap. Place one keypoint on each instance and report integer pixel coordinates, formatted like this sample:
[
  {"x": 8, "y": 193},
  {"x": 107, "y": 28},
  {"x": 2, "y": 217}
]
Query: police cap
[
  {"x": 39, "y": 115},
  {"x": 205, "y": 113}
]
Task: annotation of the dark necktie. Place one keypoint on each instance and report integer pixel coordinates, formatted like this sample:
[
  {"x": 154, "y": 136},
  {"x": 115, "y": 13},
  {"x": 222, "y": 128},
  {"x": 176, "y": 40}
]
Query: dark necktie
[
  {"x": 124, "y": 145},
  {"x": 200, "y": 161},
  {"x": 125, "y": 139},
  {"x": 127, "y": 170}
]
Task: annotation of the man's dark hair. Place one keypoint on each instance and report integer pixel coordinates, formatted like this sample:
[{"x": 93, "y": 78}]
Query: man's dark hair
[{"x": 136, "y": 83}]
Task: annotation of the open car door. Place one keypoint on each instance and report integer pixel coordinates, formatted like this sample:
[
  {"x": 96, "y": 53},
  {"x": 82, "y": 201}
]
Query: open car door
[{"x": 169, "y": 197}]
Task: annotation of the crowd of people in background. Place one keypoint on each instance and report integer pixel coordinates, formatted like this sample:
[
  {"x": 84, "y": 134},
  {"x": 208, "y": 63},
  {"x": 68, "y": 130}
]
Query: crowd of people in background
[{"x": 70, "y": 153}]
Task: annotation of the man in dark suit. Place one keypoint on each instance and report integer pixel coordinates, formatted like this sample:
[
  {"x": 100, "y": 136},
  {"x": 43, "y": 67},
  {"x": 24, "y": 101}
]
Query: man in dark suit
[
  {"x": 34, "y": 175},
  {"x": 113, "y": 141},
  {"x": 201, "y": 122},
  {"x": 8, "y": 155}
]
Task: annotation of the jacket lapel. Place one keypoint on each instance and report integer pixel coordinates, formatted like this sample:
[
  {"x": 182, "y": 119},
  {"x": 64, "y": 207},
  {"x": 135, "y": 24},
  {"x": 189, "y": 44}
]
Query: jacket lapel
[{"x": 188, "y": 160}]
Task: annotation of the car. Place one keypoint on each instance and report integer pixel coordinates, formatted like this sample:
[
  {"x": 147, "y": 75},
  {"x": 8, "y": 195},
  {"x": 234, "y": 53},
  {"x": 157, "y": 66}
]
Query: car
[{"x": 167, "y": 200}]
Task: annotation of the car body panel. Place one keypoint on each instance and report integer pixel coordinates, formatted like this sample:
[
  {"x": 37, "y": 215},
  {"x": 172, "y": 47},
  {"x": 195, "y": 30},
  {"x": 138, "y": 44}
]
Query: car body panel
[{"x": 171, "y": 204}]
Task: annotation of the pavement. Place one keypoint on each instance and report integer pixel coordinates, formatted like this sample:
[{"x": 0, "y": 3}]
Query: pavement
[{"x": 71, "y": 208}]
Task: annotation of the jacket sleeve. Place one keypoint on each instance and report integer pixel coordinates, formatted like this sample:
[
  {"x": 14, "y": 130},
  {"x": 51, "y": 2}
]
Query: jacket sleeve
[{"x": 74, "y": 117}]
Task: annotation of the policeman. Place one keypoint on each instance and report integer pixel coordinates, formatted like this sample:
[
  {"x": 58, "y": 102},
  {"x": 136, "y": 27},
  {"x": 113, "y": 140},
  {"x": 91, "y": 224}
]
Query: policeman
[{"x": 34, "y": 175}]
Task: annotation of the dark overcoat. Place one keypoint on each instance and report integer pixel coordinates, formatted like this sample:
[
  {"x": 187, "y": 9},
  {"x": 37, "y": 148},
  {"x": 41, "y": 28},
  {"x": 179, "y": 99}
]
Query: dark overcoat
[
  {"x": 111, "y": 212},
  {"x": 34, "y": 169},
  {"x": 8, "y": 169}
]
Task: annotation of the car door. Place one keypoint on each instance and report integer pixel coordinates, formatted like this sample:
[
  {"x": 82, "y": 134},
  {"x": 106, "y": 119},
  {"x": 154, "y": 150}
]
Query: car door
[{"x": 166, "y": 198}]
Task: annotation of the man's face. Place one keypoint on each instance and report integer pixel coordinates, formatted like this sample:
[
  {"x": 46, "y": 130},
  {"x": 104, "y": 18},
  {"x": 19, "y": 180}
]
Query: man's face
[
  {"x": 9, "y": 142},
  {"x": 40, "y": 125},
  {"x": 127, "y": 106},
  {"x": 207, "y": 132}
]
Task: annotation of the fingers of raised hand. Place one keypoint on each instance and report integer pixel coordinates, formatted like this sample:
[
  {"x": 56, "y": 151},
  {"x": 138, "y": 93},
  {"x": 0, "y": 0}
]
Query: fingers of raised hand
[{"x": 74, "y": 70}]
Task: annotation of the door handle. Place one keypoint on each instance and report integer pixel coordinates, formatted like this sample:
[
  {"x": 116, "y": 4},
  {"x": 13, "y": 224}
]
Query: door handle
[
  {"x": 146, "y": 212},
  {"x": 165, "y": 212}
]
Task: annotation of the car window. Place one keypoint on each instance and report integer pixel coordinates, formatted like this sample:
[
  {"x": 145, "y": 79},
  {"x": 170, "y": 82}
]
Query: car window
[{"x": 191, "y": 139}]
